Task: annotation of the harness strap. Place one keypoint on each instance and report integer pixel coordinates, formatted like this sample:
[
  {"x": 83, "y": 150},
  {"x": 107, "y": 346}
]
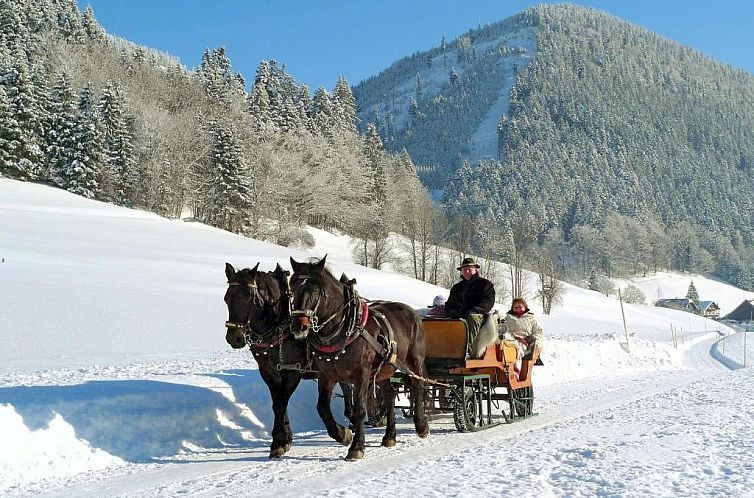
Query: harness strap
[
  {"x": 333, "y": 348},
  {"x": 267, "y": 345}
]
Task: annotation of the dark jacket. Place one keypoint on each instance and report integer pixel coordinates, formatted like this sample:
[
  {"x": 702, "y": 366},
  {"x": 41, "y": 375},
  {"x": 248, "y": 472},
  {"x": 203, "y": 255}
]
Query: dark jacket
[{"x": 475, "y": 295}]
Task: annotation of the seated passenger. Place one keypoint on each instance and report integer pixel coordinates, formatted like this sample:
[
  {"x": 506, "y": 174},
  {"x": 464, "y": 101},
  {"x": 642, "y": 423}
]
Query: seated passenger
[
  {"x": 472, "y": 299},
  {"x": 520, "y": 326},
  {"x": 437, "y": 308}
]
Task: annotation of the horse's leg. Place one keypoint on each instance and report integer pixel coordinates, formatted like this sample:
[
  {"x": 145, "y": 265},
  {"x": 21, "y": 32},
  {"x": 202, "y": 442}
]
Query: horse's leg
[
  {"x": 281, "y": 430},
  {"x": 388, "y": 408},
  {"x": 341, "y": 434},
  {"x": 417, "y": 400},
  {"x": 347, "y": 390},
  {"x": 360, "y": 388}
]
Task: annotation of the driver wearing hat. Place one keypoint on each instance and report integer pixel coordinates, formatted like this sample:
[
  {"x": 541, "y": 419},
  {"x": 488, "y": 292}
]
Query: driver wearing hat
[{"x": 471, "y": 299}]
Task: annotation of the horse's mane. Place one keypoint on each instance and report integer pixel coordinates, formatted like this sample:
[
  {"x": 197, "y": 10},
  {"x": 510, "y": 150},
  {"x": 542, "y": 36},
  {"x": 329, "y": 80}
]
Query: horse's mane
[{"x": 324, "y": 276}]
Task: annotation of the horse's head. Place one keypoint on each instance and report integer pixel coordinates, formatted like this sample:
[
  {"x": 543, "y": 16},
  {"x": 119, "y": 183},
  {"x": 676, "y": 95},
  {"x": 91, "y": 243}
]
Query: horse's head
[
  {"x": 313, "y": 289},
  {"x": 256, "y": 301}
]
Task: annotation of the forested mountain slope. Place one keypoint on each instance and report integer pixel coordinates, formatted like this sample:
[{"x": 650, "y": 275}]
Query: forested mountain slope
[
  {"x": 444, "y": 105},
  {"x": 608, "y": 119}
]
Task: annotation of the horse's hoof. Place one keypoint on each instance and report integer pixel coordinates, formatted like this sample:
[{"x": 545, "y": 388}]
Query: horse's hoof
[
  {"x": 423, "y": 431},
  {"x": 347, "y": 436},
  {"x": 354, "y": 455},
  {"x": 278, "y": 452},
  {"x": 388, "y": 442}
]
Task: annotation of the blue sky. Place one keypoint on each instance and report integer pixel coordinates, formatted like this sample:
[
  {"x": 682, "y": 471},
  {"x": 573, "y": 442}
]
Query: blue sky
[{"x": 318, "y": 40}]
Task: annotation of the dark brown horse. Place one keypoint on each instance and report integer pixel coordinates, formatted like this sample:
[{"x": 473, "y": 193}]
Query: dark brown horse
[
  {"x": 354, "y": 343},
  {"x": 259, "y": 316}
]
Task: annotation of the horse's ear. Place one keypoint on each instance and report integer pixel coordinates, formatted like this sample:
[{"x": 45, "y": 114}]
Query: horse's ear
[
  {"x": 295, "y": 265},
  {"x": 230, "y": 272},
  {"x": 321, "y": 265},
  {"x": 253, "y": 272},
  {"x": 278, "y": 268}
]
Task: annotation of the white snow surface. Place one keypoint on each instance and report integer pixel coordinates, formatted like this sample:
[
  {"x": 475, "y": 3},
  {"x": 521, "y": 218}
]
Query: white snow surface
[{"x": 115, "y": 379}]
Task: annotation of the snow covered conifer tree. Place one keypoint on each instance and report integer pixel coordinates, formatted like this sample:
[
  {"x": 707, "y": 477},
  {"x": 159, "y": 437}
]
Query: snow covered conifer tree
[
  {"x": 258, "y": 101},
  {"x": 692, "y": 293},
  {"x": 118, "y": 146},
  {"x": 230, "y": 193},
  {"x": 376, "y": 162},
  {"x": 60, "y": 140},
  {"x": 323, "y": 112},
  {"x": 92, "y": 28},
  {"x": 8, "y": 132},
  {"x": 344, "y": 106},
  {"x": 69, "y": 21},
  {"x": 89, "y": 154},
  {"x": 25, "y": 158}
]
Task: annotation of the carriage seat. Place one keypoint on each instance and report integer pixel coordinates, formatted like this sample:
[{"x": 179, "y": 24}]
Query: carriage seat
[{"x": 445, "y": 337}]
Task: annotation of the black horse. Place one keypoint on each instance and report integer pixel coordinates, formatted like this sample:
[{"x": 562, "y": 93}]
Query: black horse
[
  {"x": 259, "y": 315},
  {"x": 355, "y": 343}
]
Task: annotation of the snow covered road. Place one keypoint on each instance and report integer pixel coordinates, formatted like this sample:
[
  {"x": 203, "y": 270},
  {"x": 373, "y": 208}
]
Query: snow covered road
[{"x": 667, "y": 433}]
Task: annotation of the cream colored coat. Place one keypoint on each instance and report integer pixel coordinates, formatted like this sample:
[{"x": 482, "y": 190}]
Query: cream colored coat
[{"x": 522, "y": 326}]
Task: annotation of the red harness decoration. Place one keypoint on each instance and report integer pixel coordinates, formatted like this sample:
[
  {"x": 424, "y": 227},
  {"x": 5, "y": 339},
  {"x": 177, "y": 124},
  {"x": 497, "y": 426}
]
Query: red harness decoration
[
  {"x": 338, "y": 347},
  {"x": 364, "y": 313},
  {"x": 341, "y": 347}
]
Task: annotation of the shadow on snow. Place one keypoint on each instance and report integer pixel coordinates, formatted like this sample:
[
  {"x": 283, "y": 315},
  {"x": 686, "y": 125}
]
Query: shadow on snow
[{"x": 144, "y": 420}]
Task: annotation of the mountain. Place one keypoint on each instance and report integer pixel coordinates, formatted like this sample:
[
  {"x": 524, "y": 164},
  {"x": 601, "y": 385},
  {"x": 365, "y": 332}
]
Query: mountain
[
  {"x": 444, "y": 105},
  {"x": 606, "y": 117}
]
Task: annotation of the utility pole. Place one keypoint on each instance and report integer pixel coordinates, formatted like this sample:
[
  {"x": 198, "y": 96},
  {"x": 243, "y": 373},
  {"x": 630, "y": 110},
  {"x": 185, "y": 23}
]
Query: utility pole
[{"x": 625, "y": 329}]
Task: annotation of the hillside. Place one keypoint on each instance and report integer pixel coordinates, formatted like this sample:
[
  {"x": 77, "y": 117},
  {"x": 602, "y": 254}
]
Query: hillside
[
  {"x": 444, "y": 105},
  {"x": 115, "y": 378},
  {"x": 606, "y": 118}
]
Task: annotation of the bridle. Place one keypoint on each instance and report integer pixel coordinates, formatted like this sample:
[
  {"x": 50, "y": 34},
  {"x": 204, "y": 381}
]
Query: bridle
[
  {"x": 352, "y": 301},
  {"x": 254, "y": 338}
]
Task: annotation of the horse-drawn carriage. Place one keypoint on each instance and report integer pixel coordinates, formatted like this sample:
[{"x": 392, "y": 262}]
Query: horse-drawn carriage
[
  {"x": 313, "y": 323},
  {"x": 480, "y": 392}
]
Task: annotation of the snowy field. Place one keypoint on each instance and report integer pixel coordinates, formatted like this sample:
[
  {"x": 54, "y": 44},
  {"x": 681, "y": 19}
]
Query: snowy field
[{"x": 115, "y": 379}]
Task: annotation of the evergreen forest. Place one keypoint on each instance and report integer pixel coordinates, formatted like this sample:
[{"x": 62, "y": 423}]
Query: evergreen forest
[
  {"x": 561, "y": 140},
  {"x": 619, "y": 152}
]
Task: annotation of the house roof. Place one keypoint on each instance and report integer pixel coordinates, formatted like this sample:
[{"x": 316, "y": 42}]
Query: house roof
[
  {"x": 682, "y": 303},
  {"x": 703, "y": 305},
  {"x": 743, "y": 312}
]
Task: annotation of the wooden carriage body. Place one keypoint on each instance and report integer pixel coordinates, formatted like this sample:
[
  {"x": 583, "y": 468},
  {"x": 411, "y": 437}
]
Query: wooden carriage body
[
  {"x": 480, "y": 392},
  {"x": 446, "y": 354}
]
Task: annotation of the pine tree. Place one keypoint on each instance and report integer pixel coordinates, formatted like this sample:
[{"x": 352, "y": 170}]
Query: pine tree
[
  {"x": 258, "y": 101},
  {"x": 13, "y": 32},
  {"x": 92, "y": 28},
  {"x": 60, "y": 141},
  {"x": 229, "y": 196},
  {"x": 89, "y": 154},
  {"x": 323, "y": 112},
  {"x": 344, "y": 106},
  {"x": 220, "y": 83},
  {"x": 8, "y": 133},
  {"x": 692, "y": 293},
  {"x": 118, "y": 147},
  {"x": 25, "y": 157},
  {"x": 374, "y": 152},
  {"x": 69, "y": 21}
]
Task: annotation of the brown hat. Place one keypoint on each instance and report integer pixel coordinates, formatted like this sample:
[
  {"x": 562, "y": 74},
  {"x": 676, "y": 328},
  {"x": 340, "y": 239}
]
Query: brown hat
[{"x": 468, "y": 262}]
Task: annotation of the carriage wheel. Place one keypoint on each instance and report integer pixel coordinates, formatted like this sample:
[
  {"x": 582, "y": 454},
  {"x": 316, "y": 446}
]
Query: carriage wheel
[
  {"x": 524, "y": 401},
  {"x": 465, "y": 410}
]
